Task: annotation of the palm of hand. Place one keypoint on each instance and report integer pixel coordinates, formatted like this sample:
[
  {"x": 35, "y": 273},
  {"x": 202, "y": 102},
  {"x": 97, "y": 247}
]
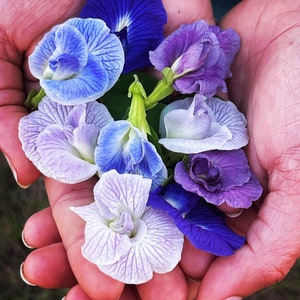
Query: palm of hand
[{"x": 265, "y": 85}]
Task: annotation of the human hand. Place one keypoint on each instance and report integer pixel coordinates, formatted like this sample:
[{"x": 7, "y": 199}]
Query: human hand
[
  {"x": 265, "y": 86},
  {"x": 71, "y": 227},
  {"x": 22, "y": 25}
]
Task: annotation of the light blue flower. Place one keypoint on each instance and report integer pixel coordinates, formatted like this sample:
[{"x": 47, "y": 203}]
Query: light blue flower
[
  {"x": 199, "y": 124},
  {"x": 60, "y": 140},
  {"x": 77, "y": 61},
  {"x": 126, "y": 239},
  {"x": 138, "y": 23},
  {"x": 124, "y": 148}
]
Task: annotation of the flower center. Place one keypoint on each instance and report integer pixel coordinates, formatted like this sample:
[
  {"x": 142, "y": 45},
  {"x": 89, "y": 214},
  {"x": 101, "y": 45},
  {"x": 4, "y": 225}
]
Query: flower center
[
  {"x": 203, "y": 169},
  {"x": 124, "y": 224}
]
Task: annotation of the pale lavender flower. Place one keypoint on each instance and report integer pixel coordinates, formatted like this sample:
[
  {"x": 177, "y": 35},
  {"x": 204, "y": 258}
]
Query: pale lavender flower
[
  {"x": 220, "y": 177},
  {"x": 77, "y": 61},
  {"x": 199, "y": 56},
  {"x": 198, "y": 124},
  {"x": 60, "y": 140},
  {"x": 126, "y": 239}
]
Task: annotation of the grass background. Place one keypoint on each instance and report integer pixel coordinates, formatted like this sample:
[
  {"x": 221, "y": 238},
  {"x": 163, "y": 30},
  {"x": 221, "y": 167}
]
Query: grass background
[{"x": 18, "y": 204}]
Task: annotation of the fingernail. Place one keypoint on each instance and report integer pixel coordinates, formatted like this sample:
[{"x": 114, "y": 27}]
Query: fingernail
[
  {"x": 234, "y": 215},
  {"x": 234, "y": 298},
  {"x": 14, "y": 172},
  {"x": 24, "y": 242},
  {"x": 23, "y": 276},
  {"x": 63, "y": 298}
]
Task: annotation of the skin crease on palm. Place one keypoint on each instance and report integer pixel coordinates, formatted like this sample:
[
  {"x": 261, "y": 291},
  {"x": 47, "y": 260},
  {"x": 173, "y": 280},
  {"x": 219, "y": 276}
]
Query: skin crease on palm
[{"x": 264, "y": 86}]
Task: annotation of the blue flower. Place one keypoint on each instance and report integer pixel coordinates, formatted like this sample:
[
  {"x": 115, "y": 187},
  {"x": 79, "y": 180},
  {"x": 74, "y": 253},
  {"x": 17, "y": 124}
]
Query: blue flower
[
  {"x": 60, "y": 140},
  {"x": 126, "y": 239},
  {"x": 202, "y": 223},
  {"x": 77, "y": 61},
  {"x": 194, "y": 125},
  {"x": 220, "y": 177},
  {"x": 138, "y": 23},
  {"x": 124, "y": 148},
  {"x": 199, "y": 56}
]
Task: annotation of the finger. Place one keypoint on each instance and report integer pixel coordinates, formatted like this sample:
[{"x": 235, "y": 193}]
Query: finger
[
  {"x": 76, "y": 293},
  {"x": 24, "y": 171},
  {"x": 48, "y": 267},
  {"x": 195, "y": 262},
  {"x": 71, "y": 227},
  {"x": 181, "y": 12},
  {"x": 171, "y": 285},
  {"x": 40, "y": 230}
]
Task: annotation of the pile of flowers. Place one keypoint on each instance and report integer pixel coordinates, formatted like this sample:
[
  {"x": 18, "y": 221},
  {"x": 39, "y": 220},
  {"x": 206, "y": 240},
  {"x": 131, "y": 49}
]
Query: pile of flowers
[{"x": 168, "y": 152}]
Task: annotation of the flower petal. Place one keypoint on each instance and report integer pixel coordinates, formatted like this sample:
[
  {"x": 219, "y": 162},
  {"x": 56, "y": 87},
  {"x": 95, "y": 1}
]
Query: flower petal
[
  {"x": 159, "y": 252},
  {"x": 102, "y": 245},
  {"x": 139, "y": 24},
  {"x": 126, "y": 191},
  {"x": 68, "y": 167},
  {"x": 204, "y": 225}
]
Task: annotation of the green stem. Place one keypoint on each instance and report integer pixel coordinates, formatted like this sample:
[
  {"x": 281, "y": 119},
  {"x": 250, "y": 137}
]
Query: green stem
[{"x": 163, "y": 89}]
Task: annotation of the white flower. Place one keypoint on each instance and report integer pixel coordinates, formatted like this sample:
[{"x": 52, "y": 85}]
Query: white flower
[{"x": 123, "y": 237}]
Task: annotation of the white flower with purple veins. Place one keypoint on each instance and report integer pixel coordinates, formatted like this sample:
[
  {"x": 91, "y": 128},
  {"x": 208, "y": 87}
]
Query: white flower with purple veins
[
  {"x": 77, "y": 61},
  {"x": 60, "y": 140},
  {"x": 126, "y": 239},
  {"x": 199, "y": 56},
  {"x": 198, "y": 124}
]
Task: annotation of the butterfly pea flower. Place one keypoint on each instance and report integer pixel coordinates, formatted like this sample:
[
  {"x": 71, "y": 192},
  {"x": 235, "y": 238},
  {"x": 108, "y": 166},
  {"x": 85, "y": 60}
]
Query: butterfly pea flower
[
  {"x": 198, "y": 124},
  {"x": 126, "y": 239},
  {"x": 199, "y": 56},
  {"x": 60, "y": 139},
  {"x": 138, "y": 23},
  {"x": 77, "y": 61},
  {"x": 220, "y": 177},
  {"x": 126, "y": 149},
  {"x": 202, "y": 223}
]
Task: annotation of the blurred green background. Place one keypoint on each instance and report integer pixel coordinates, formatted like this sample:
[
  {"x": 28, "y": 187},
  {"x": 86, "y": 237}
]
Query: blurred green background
[{"x": 18, "y": 204}]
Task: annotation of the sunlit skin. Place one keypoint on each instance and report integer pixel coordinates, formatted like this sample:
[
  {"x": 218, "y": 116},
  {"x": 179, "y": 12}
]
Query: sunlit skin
[{"x": 265, "y": 86}]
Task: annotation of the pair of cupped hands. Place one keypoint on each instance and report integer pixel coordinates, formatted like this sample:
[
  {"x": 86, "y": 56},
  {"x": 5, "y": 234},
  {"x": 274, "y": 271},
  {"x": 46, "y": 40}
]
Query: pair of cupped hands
[{"x": 265, "y": 86}]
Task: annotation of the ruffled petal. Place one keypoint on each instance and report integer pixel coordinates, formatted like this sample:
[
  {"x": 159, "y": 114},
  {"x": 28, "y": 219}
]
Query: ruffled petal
[
  {"x": 102, "y": 245},
  {"x": 159, "y": 252},
  {"x": 60, "y": 159},
  {"x": 129, "y": 192},
  {"x": 88, "y": 85}
]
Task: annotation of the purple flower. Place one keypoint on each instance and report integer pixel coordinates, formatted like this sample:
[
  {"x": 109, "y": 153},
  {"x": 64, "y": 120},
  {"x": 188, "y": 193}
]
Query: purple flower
[
  {"x": 220, "y": 177},
  {"x": 126, "y": 239},
  {"x": 194, "y": 125},
  {"x": 60, "y": 140},
  {"x": 202, "y": 223},
  {"x": 138, "y": 23},
  {"x": 199, "y": 56},
  {"x": 77, "y": 61}
]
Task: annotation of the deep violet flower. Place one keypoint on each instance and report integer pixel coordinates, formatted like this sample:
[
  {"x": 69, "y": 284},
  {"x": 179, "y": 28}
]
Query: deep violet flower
[
  {"x": 60, "y": 140},
  {"x": 125, "y": 148},
  {"x": 77, "y": 61},
  {"x": 202, "y": 223},
  {"x": 138, "y": 23},
  {"x": 220, "y": 177},
  {"x": 198, "y": 124},
  {"x": 126, "y": 239},
  {"x": 199, "y": 56}
]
